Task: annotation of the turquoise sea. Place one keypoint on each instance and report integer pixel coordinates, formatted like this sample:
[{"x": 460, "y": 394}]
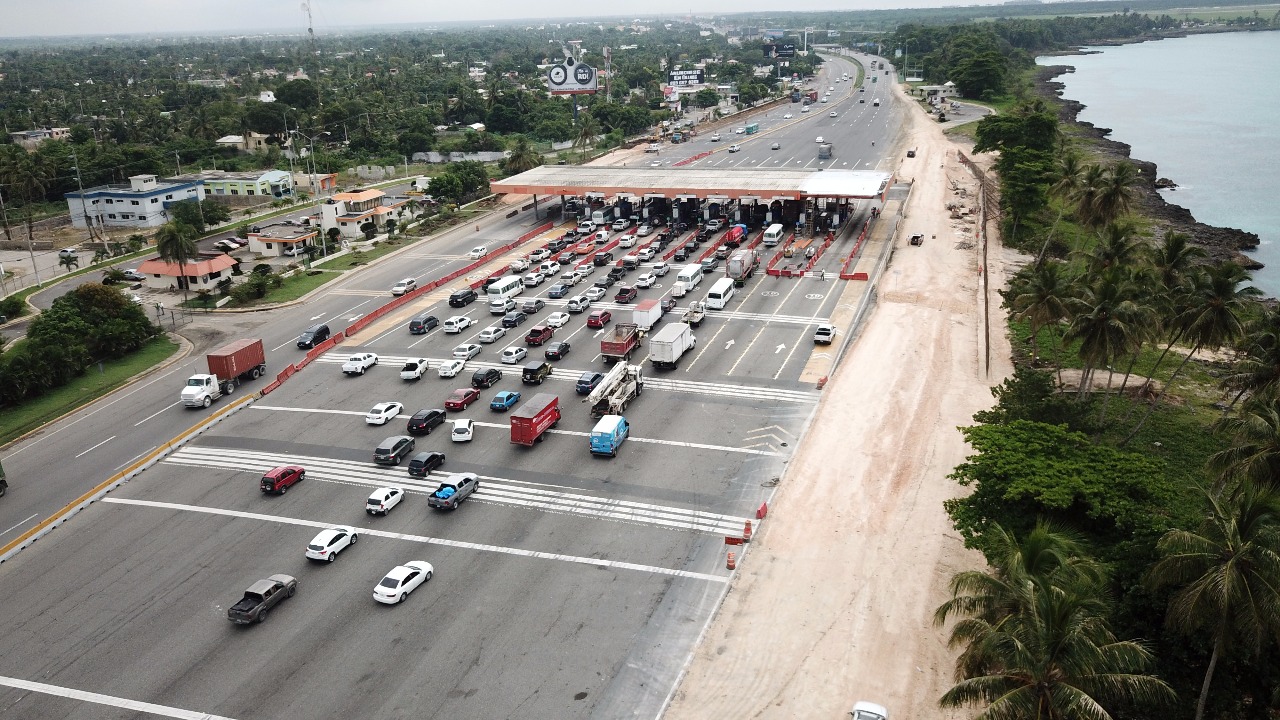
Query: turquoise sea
[{"x": 1206, "y": 110}]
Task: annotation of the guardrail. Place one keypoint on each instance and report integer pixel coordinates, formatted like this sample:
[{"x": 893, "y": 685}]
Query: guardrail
[{"x": 844, "y": 269}]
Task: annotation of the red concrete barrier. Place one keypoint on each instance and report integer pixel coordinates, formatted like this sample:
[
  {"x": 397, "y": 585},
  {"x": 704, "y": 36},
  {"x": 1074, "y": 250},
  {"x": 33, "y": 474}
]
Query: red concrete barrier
[
  {"x": 730, "y": 540},
  {"x": 762, "y": 510},
  {"x": 859, "y": 276}
]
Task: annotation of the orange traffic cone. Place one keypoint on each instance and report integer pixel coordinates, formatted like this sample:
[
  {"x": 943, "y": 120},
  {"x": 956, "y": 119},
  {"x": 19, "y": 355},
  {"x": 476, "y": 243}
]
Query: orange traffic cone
[
  {"x": 732, "y": 563},
  {"x": 746, "y": 532}
]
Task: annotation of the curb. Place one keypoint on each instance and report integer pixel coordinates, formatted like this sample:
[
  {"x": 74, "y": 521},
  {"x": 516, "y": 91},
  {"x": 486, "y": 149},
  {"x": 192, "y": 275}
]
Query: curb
[{"x": 185, "y": 347}]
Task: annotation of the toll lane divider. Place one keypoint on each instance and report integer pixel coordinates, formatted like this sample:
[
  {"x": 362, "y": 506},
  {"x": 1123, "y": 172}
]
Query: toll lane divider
[
  {"x": 844, "y": 271},
  {"x": 772, "y": 271},
  {"x": 69, "y": 510}
]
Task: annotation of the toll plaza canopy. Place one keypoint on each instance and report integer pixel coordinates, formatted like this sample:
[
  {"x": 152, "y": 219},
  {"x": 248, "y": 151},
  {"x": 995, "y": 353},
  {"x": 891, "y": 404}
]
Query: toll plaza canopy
[{"x": 759, "y": 184}]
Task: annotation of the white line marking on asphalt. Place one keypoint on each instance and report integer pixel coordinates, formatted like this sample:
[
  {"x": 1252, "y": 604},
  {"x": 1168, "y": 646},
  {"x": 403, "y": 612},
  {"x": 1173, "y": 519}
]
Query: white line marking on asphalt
[
  {"x": 135, "y": 457},
  {"x": 24, "y": 522},
  {"x": 95, "y": 447},
  {"x": 100, "y": 699},
  {"x": 286, "y": 342},
  {"x": 593, "y": 562},
  {"x": 166, "y": 407}
]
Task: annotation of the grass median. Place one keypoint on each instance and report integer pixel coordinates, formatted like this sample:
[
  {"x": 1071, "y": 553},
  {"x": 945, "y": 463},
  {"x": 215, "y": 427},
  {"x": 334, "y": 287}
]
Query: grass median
[{"x": 93, "y": 384}]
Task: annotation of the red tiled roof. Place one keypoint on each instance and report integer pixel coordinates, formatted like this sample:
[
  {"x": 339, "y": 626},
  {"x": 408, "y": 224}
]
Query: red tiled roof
[{"x": 203, "y": 266}]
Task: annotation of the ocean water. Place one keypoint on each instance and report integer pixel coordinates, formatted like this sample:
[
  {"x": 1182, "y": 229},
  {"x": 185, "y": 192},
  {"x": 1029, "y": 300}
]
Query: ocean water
[{"x": 1206, "y": 110}]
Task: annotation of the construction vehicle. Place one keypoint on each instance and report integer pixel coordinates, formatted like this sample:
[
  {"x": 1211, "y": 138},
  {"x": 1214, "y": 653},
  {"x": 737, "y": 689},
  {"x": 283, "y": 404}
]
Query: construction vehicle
[
  {"x": 620, "y": 386},
  {"x": 619, "y": 344}
]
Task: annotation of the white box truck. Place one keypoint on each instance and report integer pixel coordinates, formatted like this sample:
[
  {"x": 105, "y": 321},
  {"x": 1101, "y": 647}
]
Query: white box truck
[{"x": 669, "y": 344}]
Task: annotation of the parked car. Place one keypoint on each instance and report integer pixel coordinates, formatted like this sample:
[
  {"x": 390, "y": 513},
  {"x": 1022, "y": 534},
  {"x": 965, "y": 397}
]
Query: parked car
[
  {"x": 457, "y": 324},
  {"x": 504, "y": 400},
  {"x": 558, "y": 319},
  {"x": 392, "y": 450},
  {"x": 513, "y": 319},
  {"x": 404, "y": 286},
  {"x": 132, "y": 275},
  {"x": 402, "y": 580},
  {"x": 463, "y": 430},
  {"x": 413, "y": 369},
  {"x": 513, "y": 355},
  {"x": 226, "y": 245},
  {"x": 451, "y": 368},
  {"x": 421, "y": 422},
  {"x": 383, "y": 499},
  {"x": 466, "y": 351},
  {"x": 599, "y": 318},
  {"x": 326, "y": 545},
  {"x": 423, "y": 463},
  {"x": 462, "y": 397},
  {"x": 383, "y": 412},
  {"x": 556, "y": 350}
]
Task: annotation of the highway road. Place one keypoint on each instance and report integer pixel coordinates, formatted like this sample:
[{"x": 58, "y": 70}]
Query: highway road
[{"x": 569, "y": 586}]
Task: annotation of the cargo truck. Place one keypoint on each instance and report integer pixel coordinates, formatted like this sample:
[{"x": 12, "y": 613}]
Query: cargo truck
[
  {"x": 734, "y": 236},
  {"x": 742, "y": 265},
  {"x": 531, "y": 420},
  {"x": 619, "y": 387},
  {"x": 608, "y": 434},
  {"x": 619, "y": 344},
  {"x": 670, "y": 344},
  {"x": 824, "y": 151},
  {"x": 242, "y": 359},
  {"x": 647, "y": 314}
]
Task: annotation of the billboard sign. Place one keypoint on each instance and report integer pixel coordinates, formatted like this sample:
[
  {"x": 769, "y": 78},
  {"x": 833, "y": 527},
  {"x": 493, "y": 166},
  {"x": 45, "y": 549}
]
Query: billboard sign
[
  {"x": 571, "y": 78},
  {"x": 684, "y": 78},
  {"x": 779, "y": 51}
]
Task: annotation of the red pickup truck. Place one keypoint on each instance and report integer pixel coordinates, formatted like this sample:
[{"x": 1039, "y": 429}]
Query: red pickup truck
[{"x": 531, "y": 420}]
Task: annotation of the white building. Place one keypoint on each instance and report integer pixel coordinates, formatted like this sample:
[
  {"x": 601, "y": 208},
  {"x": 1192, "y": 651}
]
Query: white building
[
  {"x": 144, "y": 202},
  {"x": 350, "y": 210}
]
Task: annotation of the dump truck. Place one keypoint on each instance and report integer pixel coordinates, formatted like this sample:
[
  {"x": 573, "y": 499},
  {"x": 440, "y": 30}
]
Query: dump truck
[
  {"x": 619, "y": 387},
  {"x": 742, "y": 265},
  {"x": 242, "y": 359},
  {"x": 647, "y": 313},
  {"x": 694, "y": 315},
  {"x": 670, "y": 344},
  {"x": 531, "y": 420},
  {"x": 619, "y": 344}
]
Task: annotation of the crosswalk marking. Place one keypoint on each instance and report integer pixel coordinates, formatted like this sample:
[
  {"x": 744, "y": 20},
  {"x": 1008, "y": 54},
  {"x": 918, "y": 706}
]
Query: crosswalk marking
[
  {"x": 496, "y": 490},
  {"x": 654, "y": 382},
  {"x": 358, "y": 293}
]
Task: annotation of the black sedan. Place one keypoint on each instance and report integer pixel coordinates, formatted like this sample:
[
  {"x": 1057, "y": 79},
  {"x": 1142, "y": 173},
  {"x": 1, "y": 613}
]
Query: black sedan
[
  {"x": 512, "y": 319},
  {"x": 556, "y": 351}
]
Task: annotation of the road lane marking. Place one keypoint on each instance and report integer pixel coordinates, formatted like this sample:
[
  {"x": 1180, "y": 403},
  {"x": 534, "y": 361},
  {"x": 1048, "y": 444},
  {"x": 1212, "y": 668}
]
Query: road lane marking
[
  {"x": 15, "y": 527},
  {"x": 502, "y": 550},
  {"x": 166, "y": 407},
  {"x": 111, "y": 700},
  {"x": 116, "y": 469},
  {"x": 95, "y": 447}
]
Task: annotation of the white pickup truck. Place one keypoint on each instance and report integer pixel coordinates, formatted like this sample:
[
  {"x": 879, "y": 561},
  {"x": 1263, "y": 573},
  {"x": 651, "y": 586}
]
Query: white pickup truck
[{"x": 357, "y": 364}]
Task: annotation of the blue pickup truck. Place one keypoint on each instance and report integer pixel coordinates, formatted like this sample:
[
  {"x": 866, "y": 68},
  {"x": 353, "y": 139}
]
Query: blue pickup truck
[{"x": 608, "y": 434}]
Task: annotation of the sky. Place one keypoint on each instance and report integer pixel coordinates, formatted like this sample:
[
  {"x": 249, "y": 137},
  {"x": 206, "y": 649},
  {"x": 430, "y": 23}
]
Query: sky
[{"x": 27, "y": 18}]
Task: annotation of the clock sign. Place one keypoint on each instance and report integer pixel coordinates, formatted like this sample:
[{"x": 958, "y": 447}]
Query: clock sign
[{"x": 558, "y": 75}]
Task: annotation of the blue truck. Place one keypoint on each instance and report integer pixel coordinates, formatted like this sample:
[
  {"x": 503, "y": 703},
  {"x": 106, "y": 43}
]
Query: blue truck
[{"x": 608, "y": 434}]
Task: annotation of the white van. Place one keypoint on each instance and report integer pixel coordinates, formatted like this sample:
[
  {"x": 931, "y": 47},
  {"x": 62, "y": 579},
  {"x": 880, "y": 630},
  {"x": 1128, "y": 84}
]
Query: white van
[
  {"x": 690, "y": 275},
  {"x": 720, "y": 294},
  {"x": 773, "y": 235},
  {"x": 506, "y": 287}
]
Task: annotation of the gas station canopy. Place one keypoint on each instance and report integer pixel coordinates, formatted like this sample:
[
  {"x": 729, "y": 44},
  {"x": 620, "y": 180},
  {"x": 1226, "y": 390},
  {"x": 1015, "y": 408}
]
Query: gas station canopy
[{"x": 757, "y": 184}]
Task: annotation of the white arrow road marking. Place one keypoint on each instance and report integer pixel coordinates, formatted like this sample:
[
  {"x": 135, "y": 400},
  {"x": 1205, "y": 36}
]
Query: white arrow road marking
[
  {"x": 779, "y": 349},
  {"x": 354, "y": 318},
  {"x": 728, "y": 345},
  {"x": 317, "y": 317}
]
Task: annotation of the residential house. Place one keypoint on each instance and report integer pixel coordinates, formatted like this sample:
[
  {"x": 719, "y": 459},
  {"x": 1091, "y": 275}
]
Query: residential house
[
  {"x": 250, "y": 143},
  {"x": 282, "y": 240},
  {"x": 350, "y": 210},
  {"x": 143, "y": 203},
  {"x": 200, "y": 273},
  {"x": 29, "y": 139},
  {"x": 266, "y": 96},
  {"x": 244, "y": 188}
]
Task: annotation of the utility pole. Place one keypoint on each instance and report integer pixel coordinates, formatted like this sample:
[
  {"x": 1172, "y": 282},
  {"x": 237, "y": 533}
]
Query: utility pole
[
  {"x": 178, "y": 159},
  {"x": 84, "y": 207}
]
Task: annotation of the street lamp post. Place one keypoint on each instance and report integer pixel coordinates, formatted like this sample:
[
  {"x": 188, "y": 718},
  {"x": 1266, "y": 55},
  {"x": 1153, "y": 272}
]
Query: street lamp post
[
  {"x": 315, "y": 190},
  {"x": 84, "y": 208}
]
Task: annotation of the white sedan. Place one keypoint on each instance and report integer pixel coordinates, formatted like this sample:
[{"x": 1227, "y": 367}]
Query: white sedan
[
  {"x": 401, "y": 581},
  {"x": 514, "y": 354},
  {"x": 518, "y": 265},
  {"x": 457, "y": 324},
  {"x": 534, "y": 279},
  {"x": 413, "y": 369},
  {"x": 594, "y": 293},
  {"x": 404, "y": 286},
  {"x": 646, "y": 254},
  {"x": 646, "y": 280},
  {"x": 491, "y": 334},
  {"x": 478, "y": 252},
  {"x": 329, "y": 543},
  {"x": 466, "y": 351},
  {"x": 558, "y": 319},
  {"x": 820, "y": 139},
  {"x": 383, "y": 412},
  {"x": 788, "y": 116},
  {"x": 451, "y": 368},
  {"x": 383, "y": 499}
]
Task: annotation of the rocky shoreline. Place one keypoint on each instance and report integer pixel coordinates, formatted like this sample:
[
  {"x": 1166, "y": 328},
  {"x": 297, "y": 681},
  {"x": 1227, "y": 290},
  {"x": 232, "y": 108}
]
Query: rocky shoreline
[{"x": 1219, "y": 242}]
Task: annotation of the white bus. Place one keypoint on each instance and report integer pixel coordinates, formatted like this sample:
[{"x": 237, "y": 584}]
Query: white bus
[
  {"x": 506, "y": 287},
  {"x": 690, "y": 275},
  {"x": 773, "y": 235},
  {"x": 720, "y": 293}
]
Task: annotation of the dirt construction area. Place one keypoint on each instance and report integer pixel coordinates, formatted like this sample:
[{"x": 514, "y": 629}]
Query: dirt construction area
[{"x": 833, "y": 601}]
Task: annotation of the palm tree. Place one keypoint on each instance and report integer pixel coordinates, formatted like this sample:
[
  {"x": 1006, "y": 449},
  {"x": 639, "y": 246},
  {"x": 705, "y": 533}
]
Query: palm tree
[
  {"x": 1115, "y": 194},
  {"x": 1229, "y": 570},
  {"x": 523, "y": 157},
  {"x": 175, "y": 243},
  {"x": 588, "y": 129},
  {"x": 1258, "y": 371},
  {"x": 70, "y": 262},
  {"x": 1086, "y": 194},
  {"x": 1253, "y": 453},
  {"x": 1107, "y": 322},
  {"x": 1217, "y": 300},
  {"x": 28, "y": 177},
  {"x": 1043, "y": 300},
  {"x": 1173, "y": 257},
  {"x": 201, "y": 124},
  {"x": 1066, "y": 176},
  {"x": 1118, "y": 246}
]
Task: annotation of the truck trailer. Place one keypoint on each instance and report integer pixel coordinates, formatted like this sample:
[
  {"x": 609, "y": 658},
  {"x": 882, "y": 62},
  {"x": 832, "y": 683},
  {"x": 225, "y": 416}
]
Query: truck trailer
[
  {"x": 242, "y": 359},
  {"x": 530, "y": 421},
  {"x": 742, "y": 265},
  {"x": 647, "y": 313}
]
